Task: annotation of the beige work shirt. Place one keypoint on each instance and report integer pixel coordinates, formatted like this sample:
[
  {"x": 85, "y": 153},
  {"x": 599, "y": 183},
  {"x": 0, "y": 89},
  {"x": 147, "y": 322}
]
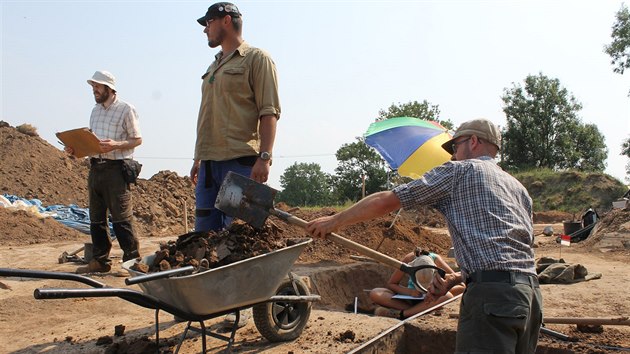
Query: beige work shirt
[{"x": 235, "y": 93}]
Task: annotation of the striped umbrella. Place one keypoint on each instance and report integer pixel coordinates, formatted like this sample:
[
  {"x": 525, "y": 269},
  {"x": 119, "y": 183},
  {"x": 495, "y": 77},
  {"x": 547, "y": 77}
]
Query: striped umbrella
[{"x": 410, "y": 146}]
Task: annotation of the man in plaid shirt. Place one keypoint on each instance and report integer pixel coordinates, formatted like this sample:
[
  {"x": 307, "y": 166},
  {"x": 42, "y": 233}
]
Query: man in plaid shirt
[
  {"x": 115, "y": 123},
  {"x": 489, "y": 216}
]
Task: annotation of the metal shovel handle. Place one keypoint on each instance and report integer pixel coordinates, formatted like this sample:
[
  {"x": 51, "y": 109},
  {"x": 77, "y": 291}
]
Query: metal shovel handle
[
  {"x": 159, "y": 275},
  {"x": 377, "y": 256}
]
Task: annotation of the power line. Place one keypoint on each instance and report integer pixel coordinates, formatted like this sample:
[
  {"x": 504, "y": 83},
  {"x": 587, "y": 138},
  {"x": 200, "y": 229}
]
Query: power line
[{"x": 275, "y": 157}]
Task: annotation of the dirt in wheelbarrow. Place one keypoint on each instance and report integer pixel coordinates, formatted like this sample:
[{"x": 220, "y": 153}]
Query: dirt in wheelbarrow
[{"x": 215, "y": 249}]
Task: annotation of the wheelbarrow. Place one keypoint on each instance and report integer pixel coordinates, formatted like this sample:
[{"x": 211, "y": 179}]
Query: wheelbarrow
[{"x": 280, "y": 301}]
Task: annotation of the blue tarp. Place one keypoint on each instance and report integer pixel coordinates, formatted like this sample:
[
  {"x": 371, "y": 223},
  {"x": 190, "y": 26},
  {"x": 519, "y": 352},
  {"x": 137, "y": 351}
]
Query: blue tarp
[{"x": 69, "y": 215}]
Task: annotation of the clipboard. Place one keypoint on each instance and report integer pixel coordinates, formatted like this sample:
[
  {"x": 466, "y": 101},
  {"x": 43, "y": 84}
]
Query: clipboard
[
  {"x": 408, "y": 297},
  {"x": 81, "y": 140}
]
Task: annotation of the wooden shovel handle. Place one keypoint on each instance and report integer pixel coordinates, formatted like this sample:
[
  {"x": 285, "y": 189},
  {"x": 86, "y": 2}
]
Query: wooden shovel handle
[{"x": 377, "y": 256}]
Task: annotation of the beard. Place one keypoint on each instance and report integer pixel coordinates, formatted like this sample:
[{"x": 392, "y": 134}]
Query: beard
[
  {"x": 102, "y": 97},
  {"x": 219, "y": 39}
]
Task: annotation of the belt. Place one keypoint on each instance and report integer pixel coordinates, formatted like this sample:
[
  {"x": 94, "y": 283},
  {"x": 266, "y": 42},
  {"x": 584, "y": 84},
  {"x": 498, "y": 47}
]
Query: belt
[
  {"x": 497, "y": 276},
  {"x": 98, "y": 161}
]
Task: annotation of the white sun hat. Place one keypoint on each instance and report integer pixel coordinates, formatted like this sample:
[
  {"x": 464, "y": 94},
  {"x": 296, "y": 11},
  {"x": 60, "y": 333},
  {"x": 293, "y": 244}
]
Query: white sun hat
[
  {"x": 424, "y": 276},
  {"x": 104, "y": 78}
]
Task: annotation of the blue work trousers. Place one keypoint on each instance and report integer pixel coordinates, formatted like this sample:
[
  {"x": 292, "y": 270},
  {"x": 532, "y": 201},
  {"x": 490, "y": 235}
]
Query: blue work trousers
[{"x": 209, "y": 179}]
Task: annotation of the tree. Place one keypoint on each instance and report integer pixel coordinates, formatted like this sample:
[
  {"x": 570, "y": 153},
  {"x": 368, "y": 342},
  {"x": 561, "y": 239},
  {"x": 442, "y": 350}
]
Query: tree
[
  {"x": 544, "y": 130},
  {"x": 424, "y": 110},
  {"x": 355, "y": 161},
  {"x": 619, "y": 49},
  {"x": 305, "y": 184},
  {"x": 625, "y": 151}
]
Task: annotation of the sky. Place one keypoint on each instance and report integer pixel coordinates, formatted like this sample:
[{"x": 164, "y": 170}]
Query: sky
[{"x": 339, "y": 63}]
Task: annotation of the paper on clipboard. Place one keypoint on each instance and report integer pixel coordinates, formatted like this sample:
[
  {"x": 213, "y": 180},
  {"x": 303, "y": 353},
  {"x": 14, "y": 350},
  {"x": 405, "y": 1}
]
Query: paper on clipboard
[
  {"x": 82, "y": 141},
  {"x": 408, "y": 297}
]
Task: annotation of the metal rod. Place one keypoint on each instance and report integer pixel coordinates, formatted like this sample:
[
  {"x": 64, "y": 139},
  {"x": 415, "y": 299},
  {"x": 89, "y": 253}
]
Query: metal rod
[
  {"x": 159, "y": 275},
  {"x": 400, "y": 324},
  {"x": 42, "y": 274},
  {"x": 553, "y": 333},
  {"x": 619, "y": 321}
]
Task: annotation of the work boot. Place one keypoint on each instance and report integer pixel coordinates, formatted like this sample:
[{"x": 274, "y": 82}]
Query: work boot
[
  {"x": 242, "y": 321},
  {"x": 94, "y": 267}
]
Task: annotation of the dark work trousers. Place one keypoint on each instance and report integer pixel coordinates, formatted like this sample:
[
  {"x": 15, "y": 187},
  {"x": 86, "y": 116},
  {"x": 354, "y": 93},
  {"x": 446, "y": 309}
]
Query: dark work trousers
[
  {"x": 109, "y": 192},
  {"x": 499, "y": 318}
]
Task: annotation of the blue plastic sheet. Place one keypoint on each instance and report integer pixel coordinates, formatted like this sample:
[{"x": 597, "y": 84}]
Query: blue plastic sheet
[{"x": 69, "y": 215}]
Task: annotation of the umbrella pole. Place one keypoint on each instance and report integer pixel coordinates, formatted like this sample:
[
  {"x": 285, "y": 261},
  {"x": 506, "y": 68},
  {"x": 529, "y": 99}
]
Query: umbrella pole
[{"x": 395, "y": 218}]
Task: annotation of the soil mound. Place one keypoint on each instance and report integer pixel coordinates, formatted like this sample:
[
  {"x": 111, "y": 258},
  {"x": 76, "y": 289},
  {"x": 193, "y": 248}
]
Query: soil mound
[
  {"x": 376, "y": 234},
  {"x": 21, "y": 228},
  {"x": 32, "y": 168},
  {"x": 164, "y": 205},
  {"x": 612, "y": 232}
]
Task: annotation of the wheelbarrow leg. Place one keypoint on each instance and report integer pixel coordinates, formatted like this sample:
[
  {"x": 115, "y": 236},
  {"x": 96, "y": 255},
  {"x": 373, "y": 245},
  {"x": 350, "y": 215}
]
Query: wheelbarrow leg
[
  {"x": 203, "y": 336},
  {"x": 181, "y": 341},
  {"x": 157, "y": 329},
  {"x": 237, "y": 318}
]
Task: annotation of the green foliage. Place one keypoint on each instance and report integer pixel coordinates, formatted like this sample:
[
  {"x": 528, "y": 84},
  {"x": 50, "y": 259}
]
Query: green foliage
[
  {"x": 570, "y": 191},
  {"x": 544, "y": 130},
  {"x": 625, "y": 151},
  {"x": 305, "y": 184},
  {"x": 355, "y": 161},
  {"x": 415, "y": 109},
  {"x": 619, "y": 49}
]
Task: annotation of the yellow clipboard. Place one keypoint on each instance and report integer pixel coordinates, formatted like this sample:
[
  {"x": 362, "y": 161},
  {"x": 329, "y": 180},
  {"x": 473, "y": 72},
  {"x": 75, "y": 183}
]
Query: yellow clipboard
[{"x": 82, "y": 141}]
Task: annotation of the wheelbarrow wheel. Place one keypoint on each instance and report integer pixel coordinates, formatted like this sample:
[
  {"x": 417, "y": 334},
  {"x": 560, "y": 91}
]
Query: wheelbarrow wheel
[{"x": 283, "y": 321}]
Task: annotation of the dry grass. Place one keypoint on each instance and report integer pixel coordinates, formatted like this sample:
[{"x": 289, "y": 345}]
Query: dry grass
[{"x": 27, "y": 129}]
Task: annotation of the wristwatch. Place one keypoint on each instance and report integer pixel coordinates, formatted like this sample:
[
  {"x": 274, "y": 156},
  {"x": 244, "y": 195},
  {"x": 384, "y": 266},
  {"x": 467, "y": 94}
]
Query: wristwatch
[{"x": 265, "y": 156}]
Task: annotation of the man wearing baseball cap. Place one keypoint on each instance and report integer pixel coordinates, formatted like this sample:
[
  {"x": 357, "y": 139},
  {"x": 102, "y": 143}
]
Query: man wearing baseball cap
[
  {"x": 489, "y": 217},
  {"x": 237, "y": 119},
  {"x": 115, "y": 123}
]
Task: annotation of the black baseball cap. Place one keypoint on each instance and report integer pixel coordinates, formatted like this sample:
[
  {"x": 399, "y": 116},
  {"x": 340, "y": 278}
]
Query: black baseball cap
[{"x": 220, "y": 9}]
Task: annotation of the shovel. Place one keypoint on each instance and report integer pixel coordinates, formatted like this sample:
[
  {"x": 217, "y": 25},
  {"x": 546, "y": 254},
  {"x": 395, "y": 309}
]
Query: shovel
[{"x": 252, "y": 202}]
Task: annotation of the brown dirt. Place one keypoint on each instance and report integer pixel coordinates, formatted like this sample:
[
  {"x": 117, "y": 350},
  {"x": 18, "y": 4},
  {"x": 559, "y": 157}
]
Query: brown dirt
[{"x": 75, "y": 325}]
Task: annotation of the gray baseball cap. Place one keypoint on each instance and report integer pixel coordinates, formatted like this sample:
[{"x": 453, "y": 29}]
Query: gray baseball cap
[{"x": 481, "y": 128}]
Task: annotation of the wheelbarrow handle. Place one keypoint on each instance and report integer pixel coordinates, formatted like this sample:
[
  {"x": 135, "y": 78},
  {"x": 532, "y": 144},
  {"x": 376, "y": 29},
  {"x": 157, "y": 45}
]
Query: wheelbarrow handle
[
  {"x": 382, "y": 258},
  {"x": 159, "y": 275},
  {"x": 43, "y": 274}
]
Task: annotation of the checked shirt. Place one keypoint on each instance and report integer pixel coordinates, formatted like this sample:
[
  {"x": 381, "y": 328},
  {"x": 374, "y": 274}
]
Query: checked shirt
[
  {"x": 488, "y": 212},
  {"x": 118, "y": 122}
]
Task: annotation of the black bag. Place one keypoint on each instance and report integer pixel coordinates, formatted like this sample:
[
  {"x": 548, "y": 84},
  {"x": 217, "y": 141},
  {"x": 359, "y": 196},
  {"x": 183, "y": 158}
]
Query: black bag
[{"x": 131, "y": 170}]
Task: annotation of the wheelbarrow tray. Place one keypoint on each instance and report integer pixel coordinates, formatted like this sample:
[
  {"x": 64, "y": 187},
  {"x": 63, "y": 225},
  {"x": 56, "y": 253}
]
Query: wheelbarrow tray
[{"x": 236, "y": 285}]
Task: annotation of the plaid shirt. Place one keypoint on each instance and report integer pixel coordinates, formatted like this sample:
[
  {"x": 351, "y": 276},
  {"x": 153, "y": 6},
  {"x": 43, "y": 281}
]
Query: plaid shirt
[
  {"x": 489, "y": 213},
  {"x": 117, "y": 122}
]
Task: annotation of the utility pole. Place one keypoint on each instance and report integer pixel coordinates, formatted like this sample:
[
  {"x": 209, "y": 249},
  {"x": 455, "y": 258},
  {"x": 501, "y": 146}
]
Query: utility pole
[{"x": 363, "y": 189}]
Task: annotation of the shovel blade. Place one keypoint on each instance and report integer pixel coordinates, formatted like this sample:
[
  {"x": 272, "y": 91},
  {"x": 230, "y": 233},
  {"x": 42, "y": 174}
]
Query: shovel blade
[{"x": 245, "y": 199}]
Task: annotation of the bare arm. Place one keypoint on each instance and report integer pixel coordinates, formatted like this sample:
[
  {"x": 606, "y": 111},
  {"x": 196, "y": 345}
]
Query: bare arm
[
  {"x": 394, "y": 281},
  {"x": 108, "y": 145},
  {"x": 194, "y": 171},
  {"x": 368, "y": 208},
  {"x": 267, "y": 131}
]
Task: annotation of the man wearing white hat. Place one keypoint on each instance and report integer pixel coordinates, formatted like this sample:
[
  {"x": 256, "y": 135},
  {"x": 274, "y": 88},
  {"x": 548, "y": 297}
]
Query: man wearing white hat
[{"x": 115, "y": 123}]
